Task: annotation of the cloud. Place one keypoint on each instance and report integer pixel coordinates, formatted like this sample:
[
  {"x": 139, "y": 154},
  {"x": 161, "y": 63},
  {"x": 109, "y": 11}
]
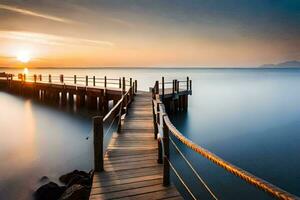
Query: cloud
[
  {"x": 34, "y": 14},
  {"x": 48, "y": 39}
]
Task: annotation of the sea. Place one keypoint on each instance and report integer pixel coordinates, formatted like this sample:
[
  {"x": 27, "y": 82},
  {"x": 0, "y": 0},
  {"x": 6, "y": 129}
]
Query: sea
[{"x": 248, "y": 117}]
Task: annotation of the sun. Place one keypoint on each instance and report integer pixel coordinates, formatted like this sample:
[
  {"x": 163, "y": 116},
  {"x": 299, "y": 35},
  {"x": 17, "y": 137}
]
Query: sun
[{"x": 23, "y": 56}]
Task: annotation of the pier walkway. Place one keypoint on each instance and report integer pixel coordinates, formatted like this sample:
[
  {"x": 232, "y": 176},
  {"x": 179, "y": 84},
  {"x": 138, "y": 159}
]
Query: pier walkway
[{"x": 131, "y": 170}]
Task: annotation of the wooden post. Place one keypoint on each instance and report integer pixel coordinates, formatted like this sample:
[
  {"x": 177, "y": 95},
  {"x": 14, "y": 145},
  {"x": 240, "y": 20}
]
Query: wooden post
[
  {"x": 131, "y": 90},
  {"x": 105, "y": 81},
  {"x": 40, "y": 77},
  {"x": 34, "y": 78},
  {"x": 166, "y": 174},
  {"x": 75, "y": 79},
  {"x": 177, "y": 85},
  {"x": 50, "y": 78},
  {"x": 187, "y": 83},
  {"x": 190, "y": 85},
  {"x": 156, "y": 87},
  {"x": 98, "y": 143},
  {"x": 173, "y": 87},
  {"x": 94, "y": 81},
  {"x": 120, "y": 83},
  {"x": 61, "y": 78},
  {"x": 163, "y": 87},
  {"x": 86, "y": 80},
  {"x": 159, "y": 159},
  {"x": 154, "y": 120},
  {"x": 135, "y": 84},
  {"x": 120, "y": 117},
  {"x": 157, "y": 119},
  {"x": 124, "y": 86}
]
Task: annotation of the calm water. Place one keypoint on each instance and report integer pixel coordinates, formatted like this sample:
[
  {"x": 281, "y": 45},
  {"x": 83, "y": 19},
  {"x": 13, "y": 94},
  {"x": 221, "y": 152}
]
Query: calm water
[
  {"x": 248, "y": 117},
  {"x": 36, "y": 141}
]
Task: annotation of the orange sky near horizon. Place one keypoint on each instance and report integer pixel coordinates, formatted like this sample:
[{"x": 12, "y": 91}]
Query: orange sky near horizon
[{"x": 104, "y": 34}]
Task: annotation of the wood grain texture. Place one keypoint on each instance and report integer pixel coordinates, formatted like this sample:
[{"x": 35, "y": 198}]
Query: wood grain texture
[{"x": 131, "y": 170}]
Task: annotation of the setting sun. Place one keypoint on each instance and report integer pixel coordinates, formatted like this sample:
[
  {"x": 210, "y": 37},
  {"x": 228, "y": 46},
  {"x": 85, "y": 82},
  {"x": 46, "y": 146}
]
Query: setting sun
[{"x": 23, "y": 57}]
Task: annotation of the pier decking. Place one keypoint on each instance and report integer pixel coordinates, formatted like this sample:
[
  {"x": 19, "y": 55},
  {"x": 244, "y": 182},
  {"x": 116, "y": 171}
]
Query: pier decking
[{"x": 131, "y": 170}]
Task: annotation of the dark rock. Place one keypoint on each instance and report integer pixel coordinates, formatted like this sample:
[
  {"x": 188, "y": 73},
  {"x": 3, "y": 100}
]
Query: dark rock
[
  {"x": 81, "y": 180},
  {"x": 67, "y": 177},
  {"x": 49, "y": 191},
  {"x": 76, "y": 192},
  {"x": 44, "y": 179}
]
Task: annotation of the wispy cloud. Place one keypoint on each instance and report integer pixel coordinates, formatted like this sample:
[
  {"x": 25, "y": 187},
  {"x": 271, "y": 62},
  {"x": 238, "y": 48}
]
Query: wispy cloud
[
  {"x": 48, "y": 39},
  {"x": 34, "y": 14}
]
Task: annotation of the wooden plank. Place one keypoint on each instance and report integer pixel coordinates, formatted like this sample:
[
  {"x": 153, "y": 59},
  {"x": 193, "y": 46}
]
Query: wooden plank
[{"x": 123, "y": 187}]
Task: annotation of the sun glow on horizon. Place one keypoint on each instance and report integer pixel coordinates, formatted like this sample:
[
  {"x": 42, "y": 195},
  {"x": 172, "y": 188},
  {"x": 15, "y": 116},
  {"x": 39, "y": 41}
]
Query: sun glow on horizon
[
  {"x": 23, "y": 56},
  {"x": 26, "y": 71}
]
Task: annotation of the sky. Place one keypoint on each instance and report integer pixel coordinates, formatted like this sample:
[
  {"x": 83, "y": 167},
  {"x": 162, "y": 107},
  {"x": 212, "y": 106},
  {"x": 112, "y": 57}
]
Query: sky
[{"x": 148, "y": 33}]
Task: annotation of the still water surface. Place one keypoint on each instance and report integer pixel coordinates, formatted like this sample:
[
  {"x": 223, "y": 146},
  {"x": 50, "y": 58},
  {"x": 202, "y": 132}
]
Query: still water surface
[{"x": 250, "y": 117}]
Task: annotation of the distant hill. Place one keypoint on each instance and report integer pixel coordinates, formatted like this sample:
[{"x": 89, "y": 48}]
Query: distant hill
[{"x": 288, "y": 64}]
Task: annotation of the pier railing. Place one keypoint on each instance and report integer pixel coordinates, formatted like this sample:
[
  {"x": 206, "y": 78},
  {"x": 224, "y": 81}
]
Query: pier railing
[
  {"x": 105, "y": 127},
  {"x": 165, "y": 88},
  {"x": 91, "y": 81},
  {"x": 166, "y": 132}
]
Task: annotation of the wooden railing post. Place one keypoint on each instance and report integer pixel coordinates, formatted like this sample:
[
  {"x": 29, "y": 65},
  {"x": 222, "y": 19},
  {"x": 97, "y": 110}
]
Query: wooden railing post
[
  {"x": 40, "y": 77},
  {"x": 124, "y": 86},
  {"x": 131, "y": 90},
  {"x": 75, "y": 79},
  {"x": 34, "y": 78},
  {"x": 176, "y": 85},
  {"x": 154, "y": 119},
  {"x": 105, "y": 81},
  {"x": 86, "y": 80},
  {"x": 98, "y": 143},
  {"x": 163, "y": 87},
  {"x": 50, "y": 79},
  {"x": 173, "y": 87},
  {"x": 94, "y": 81},
  {"x": 120, "y": 83},
  {"x": 135, "y": 84},
  {"x": 120, "y": 117},
  {"x": 187, "y": 83},
  {"x": 156, "y": 87},
  {"x": 166, "y": 175},
  {"x": 190, "y": 85},
  {"x": 160, "y": 152},
  {"x": 62, "y": 78},
  {"x": 157, "y": 120}
]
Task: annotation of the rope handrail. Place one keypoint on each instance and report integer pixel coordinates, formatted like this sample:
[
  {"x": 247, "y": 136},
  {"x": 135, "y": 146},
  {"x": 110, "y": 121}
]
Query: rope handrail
[
  {"x": 195, "y": 172},
  {"x": 248, "y": 177}
]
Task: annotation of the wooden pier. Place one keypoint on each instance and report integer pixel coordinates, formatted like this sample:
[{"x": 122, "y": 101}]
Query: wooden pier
[
  {"x": 131, "y": 169},
  {"x": 128, "y": 161},
  {"x": 91, "y": 92}
]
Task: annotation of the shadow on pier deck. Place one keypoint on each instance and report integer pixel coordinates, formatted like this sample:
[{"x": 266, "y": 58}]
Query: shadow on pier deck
[{"x": 131, "y": 170}]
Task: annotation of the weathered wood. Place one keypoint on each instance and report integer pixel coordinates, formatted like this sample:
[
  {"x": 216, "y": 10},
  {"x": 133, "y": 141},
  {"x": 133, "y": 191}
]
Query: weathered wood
[
  {"x": 130, "y": 163},
  {"x": 98, "y": 143}
]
